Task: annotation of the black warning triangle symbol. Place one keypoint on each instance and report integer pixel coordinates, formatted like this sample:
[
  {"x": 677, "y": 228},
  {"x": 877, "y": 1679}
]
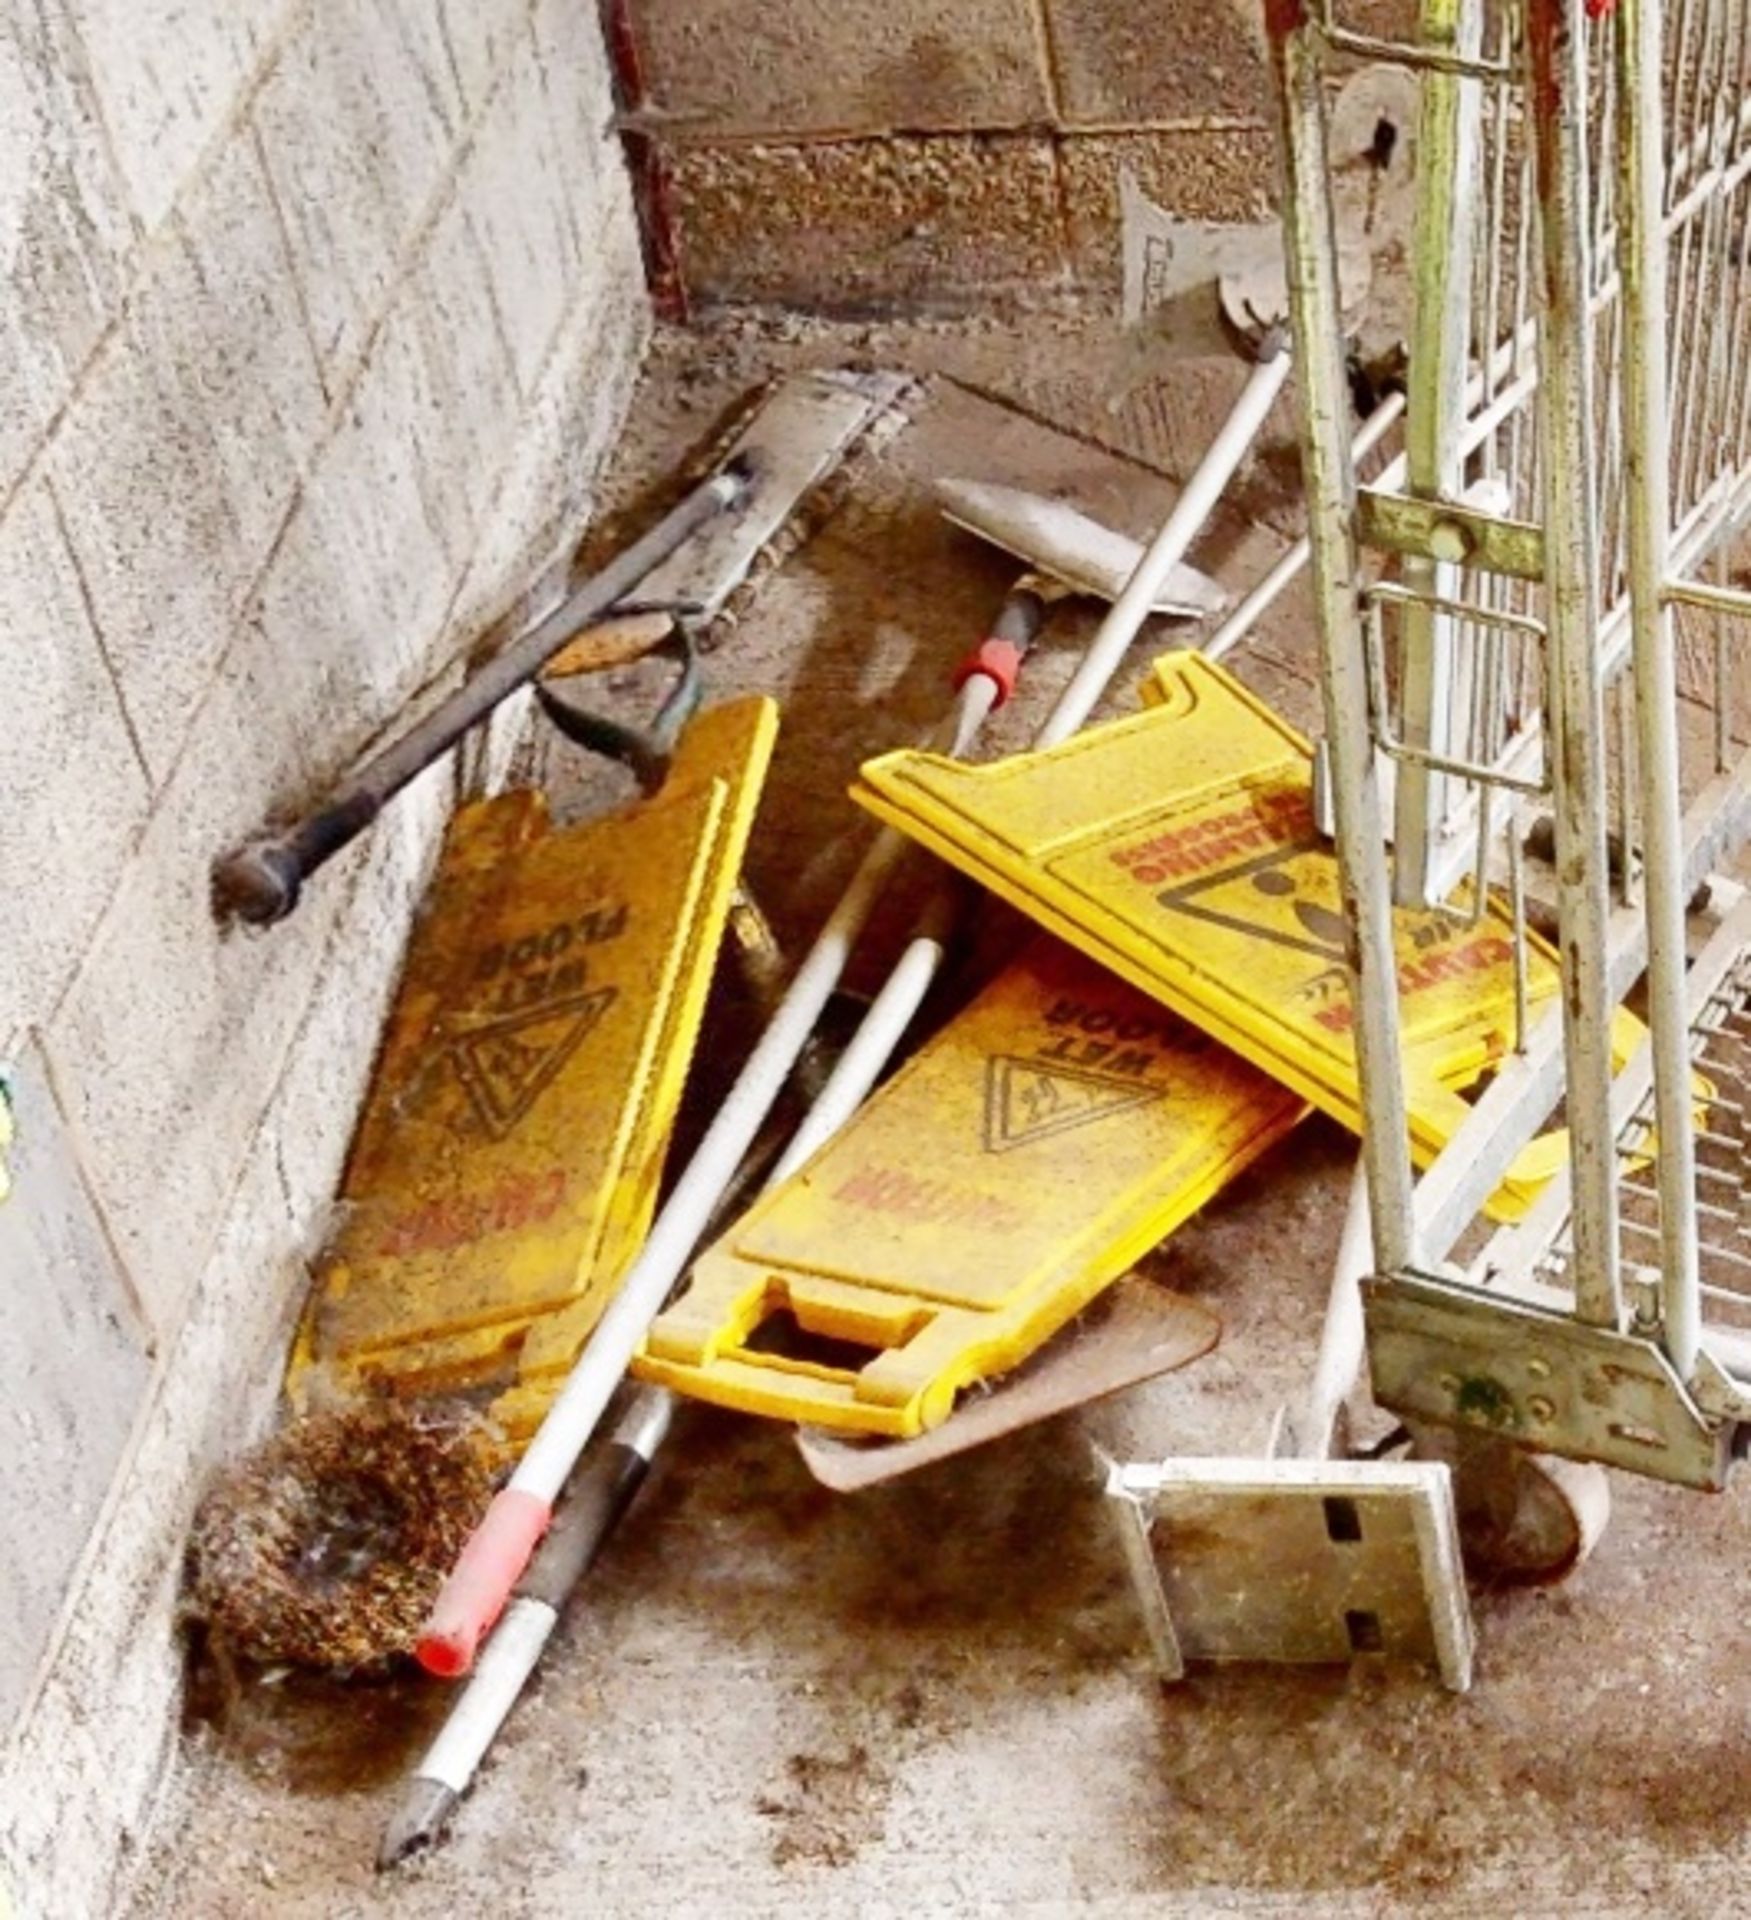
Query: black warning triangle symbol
[
  {"x": 1028, "y": 1100},
  {"x": 505, "y": 1065},
  {"x": 1316, "y": 929}
]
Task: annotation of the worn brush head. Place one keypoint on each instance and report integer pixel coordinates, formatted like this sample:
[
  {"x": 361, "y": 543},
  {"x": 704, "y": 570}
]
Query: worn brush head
[{"x": 325, "y": 1547}]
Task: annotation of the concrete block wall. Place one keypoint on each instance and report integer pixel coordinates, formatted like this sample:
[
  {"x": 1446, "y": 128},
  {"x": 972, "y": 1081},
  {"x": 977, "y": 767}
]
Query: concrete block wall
[
  {"x": 318, "y": 317},
  {"x": 854, "y": 155}
]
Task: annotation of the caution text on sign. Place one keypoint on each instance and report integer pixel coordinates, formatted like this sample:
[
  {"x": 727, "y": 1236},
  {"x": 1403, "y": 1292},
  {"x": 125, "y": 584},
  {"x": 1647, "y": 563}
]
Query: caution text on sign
[
  {"x": 1029, "y": 1154},
  {"x": 1179, "y": 848},
  {"x": 507, "y": 1160}
]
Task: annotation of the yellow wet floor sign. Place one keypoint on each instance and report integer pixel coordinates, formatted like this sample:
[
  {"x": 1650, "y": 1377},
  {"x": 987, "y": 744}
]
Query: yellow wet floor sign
[
  {"x": 1020, "y": 1162},
  {"x": 506, "y": 1163},
  {"x": 1178, "y": 847}
]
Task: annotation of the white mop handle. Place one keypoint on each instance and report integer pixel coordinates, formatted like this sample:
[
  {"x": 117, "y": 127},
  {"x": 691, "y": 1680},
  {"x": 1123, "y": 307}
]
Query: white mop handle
[
  {"x": 862, "y": 1062},
  {"x": 1265, "y": 595},
  {"x": 1181, "y": 527},
  {"x": 499, "y": 1549},
  {"x": 878, "y": 1034},
  {"x": 894, "y": 1008}
]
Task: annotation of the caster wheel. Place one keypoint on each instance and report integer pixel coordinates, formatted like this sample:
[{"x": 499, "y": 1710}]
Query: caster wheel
[{"x": 1525, "y": 1519}]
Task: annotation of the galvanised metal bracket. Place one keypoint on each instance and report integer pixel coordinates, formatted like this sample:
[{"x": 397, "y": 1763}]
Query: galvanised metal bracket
[
  {"x": 1444, "y": 1352},
  {"x": 1717, "y": 1392},
  {"x": 1441, "y": 530}
]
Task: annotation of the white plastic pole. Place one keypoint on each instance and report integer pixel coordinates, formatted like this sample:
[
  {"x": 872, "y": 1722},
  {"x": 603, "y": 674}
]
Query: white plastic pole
[
  {"x": 1262, "y": 597},
  {"x": 894, "y": 1008},
  {"x": 1181, "y": 527},
  {"x": 498, "y": 1551},
  {"x": 873, "y": 1045}
]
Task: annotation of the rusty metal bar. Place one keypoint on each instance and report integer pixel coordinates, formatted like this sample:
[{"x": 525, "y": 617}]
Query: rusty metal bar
[
  {"x": 1555, "y": 43},
  {"x": 1328, "y": 475}
]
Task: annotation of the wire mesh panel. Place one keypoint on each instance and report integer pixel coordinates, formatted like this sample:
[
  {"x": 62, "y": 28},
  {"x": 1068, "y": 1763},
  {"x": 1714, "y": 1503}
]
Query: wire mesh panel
[
  {"x": 1469, "y": 690},
  {"x": 1720, "y": 1045},
  {"x": 1486, "y": 706},
  {"x": 1722, "y": 1042},
  {"x": 1706, "y": 207}
]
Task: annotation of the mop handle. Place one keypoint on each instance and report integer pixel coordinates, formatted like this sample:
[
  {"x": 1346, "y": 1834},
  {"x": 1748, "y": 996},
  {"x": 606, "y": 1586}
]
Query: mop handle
[
  {"x": 1181, "y": 527},
  {"x": 493, "y": 1560},
  {"x": 894, "y": 1008}
]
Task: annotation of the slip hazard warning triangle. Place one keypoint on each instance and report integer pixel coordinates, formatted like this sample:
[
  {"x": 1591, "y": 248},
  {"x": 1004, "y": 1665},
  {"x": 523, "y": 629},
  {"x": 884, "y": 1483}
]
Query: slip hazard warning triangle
[
  {"x": 505, "y": 1066},
  {"x": 511, "y": 1145},
  {"x": 918, "y": 1251},
  {"x": 1028, "y": 1100},
  {"x": 1236, "y": 898}
]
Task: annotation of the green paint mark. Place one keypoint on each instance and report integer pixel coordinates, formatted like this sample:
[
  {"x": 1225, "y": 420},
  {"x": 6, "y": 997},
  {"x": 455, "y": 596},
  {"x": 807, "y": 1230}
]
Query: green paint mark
[
  {"x": 1486, "y": 1403},
  {"x": 7, "y": 1134}
]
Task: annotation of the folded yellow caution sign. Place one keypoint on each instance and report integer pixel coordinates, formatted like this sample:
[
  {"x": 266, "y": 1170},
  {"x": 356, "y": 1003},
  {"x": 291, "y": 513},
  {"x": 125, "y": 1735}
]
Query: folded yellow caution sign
[
  {"x": 506, "y": 1164},
  {"x": 1179, "y": 848},
  {"x": 1019, "y": 1163}
]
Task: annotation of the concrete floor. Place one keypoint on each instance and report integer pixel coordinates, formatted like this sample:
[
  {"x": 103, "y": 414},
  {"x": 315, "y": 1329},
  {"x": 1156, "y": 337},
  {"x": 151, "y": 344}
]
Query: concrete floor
[{"x": 931, "y": 1698}]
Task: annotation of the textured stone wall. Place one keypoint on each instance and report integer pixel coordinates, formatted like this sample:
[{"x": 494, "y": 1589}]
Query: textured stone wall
[
  {"x": 942, "y": 155},
  {"x": 317, "y": 317},
  {"x": 861, "y": 155}
]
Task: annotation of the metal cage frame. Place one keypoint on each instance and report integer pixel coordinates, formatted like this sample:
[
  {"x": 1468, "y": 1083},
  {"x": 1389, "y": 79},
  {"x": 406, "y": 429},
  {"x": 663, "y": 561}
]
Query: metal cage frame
[{"x": 1577, "y": 450}]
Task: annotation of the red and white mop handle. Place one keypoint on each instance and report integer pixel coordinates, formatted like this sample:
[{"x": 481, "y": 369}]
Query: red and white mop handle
[{"x": 480, "y": 1584}]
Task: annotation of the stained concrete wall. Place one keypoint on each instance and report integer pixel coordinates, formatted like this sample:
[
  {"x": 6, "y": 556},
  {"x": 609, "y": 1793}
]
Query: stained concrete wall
[
  {"x": 854, "y": 155},
  {"x": 318, "y": 315}
]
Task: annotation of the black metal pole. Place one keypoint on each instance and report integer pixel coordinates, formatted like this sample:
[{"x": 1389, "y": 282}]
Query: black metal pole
[{"x": 260, "y": 882}]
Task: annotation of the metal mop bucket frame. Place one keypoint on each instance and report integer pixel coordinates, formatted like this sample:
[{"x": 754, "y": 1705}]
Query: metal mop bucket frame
[{"x": 1578, "y": 456}]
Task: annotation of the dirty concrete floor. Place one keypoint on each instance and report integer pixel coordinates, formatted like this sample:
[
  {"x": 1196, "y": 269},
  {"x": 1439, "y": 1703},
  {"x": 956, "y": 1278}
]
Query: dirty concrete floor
[{"x": 931, "y": 1698}]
